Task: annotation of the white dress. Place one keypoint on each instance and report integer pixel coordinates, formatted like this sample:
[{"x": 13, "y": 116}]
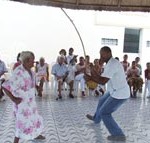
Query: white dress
[
  {"x": 29, "y": 124},
  {"x": 42, "y": 72}
]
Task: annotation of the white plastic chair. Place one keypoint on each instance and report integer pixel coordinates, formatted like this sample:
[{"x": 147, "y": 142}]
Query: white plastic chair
[
  {"x": 54, "y": 87},
  {"x": 46, "y": 89},
  {"x": 77, "y": 89}
]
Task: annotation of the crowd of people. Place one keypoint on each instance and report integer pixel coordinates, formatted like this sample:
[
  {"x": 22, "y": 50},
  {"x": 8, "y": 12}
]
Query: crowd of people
[
  {"x": 122, "y": 82},
  {"x": 85, "y": 71},
  {"x": 71, "y": 68},
  {"x": 133, "y": 73},
  {"x": 68, "y": 69}
]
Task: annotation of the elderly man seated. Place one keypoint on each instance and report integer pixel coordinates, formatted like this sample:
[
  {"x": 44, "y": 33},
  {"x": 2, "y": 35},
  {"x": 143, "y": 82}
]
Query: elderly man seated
[
  {"x": 134, "y": 80},
  {"x": 60, "y": 71}
]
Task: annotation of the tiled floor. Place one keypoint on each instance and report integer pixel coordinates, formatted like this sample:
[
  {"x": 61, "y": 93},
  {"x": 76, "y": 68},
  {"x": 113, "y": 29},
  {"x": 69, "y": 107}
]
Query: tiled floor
[{"x": 65, "y": 121}]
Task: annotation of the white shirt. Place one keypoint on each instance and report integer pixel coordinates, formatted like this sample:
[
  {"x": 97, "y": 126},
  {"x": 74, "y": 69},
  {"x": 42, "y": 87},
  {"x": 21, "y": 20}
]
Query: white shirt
[
  {"x": 42, "y": 70},
  {"x": 117, "y": 84},
  {"x": 71, "y": 75},
  {"x": 69, "y": 58}
]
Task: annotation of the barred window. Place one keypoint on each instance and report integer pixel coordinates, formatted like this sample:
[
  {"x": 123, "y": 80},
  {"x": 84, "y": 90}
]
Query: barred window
[
  {"x": 147, "y": 43},
  {"x": 107, "y": 41},
  {"x": 131, "y": 40}
]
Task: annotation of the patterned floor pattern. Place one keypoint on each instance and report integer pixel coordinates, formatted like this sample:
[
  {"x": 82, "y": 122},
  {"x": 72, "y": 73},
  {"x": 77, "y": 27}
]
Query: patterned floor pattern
[{"x": 65, "y": 121}]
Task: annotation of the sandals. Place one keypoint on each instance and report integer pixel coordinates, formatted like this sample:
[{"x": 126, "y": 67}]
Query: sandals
[{"x": 40, "y": 137}]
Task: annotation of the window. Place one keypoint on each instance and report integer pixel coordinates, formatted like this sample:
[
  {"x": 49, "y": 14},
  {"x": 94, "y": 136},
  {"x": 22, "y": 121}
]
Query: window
[
  {"x": 131, "y": 40},
  {"x": 106, "y": 41},
  {"x": 147, "y": 43}
]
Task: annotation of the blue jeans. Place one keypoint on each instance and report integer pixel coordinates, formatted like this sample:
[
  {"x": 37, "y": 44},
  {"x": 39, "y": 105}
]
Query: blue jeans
[{"x": 106, "y": 106}]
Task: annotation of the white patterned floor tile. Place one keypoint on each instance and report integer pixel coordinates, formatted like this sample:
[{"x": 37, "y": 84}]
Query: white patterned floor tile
[{"x": 65, "y": 121}]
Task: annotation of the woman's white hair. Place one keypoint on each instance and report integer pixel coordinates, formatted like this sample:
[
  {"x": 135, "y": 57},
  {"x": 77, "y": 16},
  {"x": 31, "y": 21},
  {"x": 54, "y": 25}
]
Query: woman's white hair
[{"x": 26, "y": 55}]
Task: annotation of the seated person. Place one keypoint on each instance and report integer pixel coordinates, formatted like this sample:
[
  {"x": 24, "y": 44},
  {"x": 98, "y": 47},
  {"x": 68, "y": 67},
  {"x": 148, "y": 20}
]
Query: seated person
[
  {"x": 71, "y": 70},
  {"x": 95, "y": 71},
  {"x": 125, "y": 63},
  {"x": 134, "y": 80},
  {"x": 42, "y": 74},
  {"x": 79, "y": 74},
  {"x": 88, "y": 71},
  {"x": 60, "y": 71},
  {"x": 137, "y": 60},
  {"x": 88, "y": 65}
]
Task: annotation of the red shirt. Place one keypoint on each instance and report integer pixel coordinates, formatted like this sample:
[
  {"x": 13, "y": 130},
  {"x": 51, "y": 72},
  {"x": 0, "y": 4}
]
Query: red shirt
[{"x": 16, "y": 65}]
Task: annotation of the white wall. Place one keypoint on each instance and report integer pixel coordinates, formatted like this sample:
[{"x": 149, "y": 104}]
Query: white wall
[
  {"x": 145, "y": 51},
  {"x": 46, "y": 30}
]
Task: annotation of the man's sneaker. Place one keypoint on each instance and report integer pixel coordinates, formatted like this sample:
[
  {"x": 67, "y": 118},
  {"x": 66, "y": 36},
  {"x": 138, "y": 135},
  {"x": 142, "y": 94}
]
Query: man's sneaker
[
  {"x": 90, "y": 117},
  {"x": 71, "y": 96},
  {"x": 117, "y": 138}
]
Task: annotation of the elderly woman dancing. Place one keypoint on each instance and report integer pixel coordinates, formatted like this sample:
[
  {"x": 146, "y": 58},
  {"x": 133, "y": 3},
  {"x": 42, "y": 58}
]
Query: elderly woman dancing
[{"x": 21, "y": 90}]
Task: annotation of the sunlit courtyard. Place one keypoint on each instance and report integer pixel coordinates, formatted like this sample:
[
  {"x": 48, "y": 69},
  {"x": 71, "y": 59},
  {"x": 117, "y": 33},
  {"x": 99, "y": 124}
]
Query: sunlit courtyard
[
  {"x": 45, "y": 31},
  {"x": 65, "y": 120}
]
